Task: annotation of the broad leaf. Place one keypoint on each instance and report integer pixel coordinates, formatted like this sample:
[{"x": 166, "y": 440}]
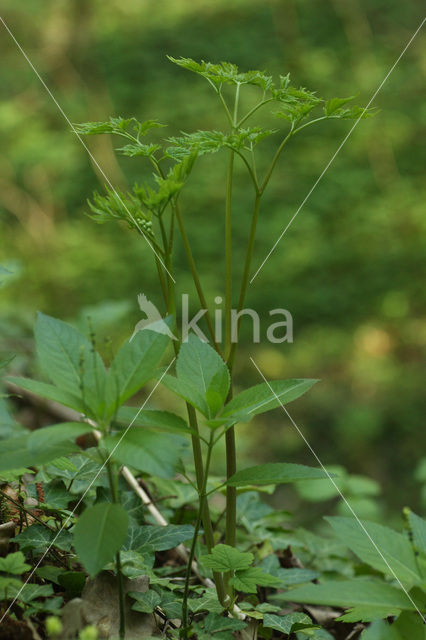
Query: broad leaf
[
  {"x": 70, "y": 361},
  {"x": 56, "y": 435},
  {"x": 249, "y": 579},
  {"x": 145, "y": 450},
  {"x": 134, "y": 364},
  {"x": 264, "y": 397},
  {"x": 410, "y": 625},
  {"x": 382, "y": 630},
  {"x": 207, "y": 602},
  {"x": 418, "y": 527},
  {"x": 350, "y": 593},
  {"x": 38, "y": 538},
  {"x": 367, "y": 614},
  {"x": 396, "y": 548},
  {"x": 145, "y": 602},
  {"x": 50, "y": 392},
  {"x": 157, "y": 537},
  {"x": 274, "y": 473},
  {"x": 99, "y": 534},
  {"x": 14, "y": 563},
  {"x": 200, "y": 366},
  {"x": 162, "y": 420},
  {"x": 289, "y": 623},
  {"x": 226, "y": 558},
  {"x": 186, "y": 391},
  {"x": 15, "y": 453},
  {"x": 217, "y": 626},
  {"x": 79, "y": 471}
]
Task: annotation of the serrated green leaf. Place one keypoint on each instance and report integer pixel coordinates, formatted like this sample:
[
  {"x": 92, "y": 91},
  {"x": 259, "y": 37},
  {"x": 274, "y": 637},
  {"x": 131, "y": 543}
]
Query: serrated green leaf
[
  {"x": 32, "y": 591},
  {"x": 334, "y": 104},
  {"x": 186, "y": 391},
  {"x": 50, "y": 392},
  {"x": 157, "y": 537},
  {"x": 367, "y": 614},
  {"x": 38, "y": 538},
  {"x": 119, "y": 126},
  {"x": 226, "y": 558},
  {"x": 274, "y": 473},
  {"x": 16, "y": 454},
  {"x": 289, "y": 623},
  {"x": 396, "y": 549},
  {"x": 418, "y": 527},
  {"x": 134, "y": 364},
  {"x": 381, "y": 630},
  {"x": 57, "y": 435},
  {"x": 145, "y": 602},
  {"x": 200, "y": 367},
  {"x": 133, "y": 150},
  {"x": 206, "y": 602},
  {"x": 216, "y": 625},
  {"x": 154, "y": 419},
  {"x": 14, "y": 563},
  {"x": 146, "y": 450},
  {"x": 79, "y": 471},
  {"x": 410, "y": 625},
  {"x": 350, "y": 593},
  {"x": 224, "y": 73},
  {"x": 70, "y": 361},
  {"x": 99, "y": 533},
  {"x": 249, "y": 579},
  {"x": 264, "y": 397},
  {"x": 202, "y": 142}
]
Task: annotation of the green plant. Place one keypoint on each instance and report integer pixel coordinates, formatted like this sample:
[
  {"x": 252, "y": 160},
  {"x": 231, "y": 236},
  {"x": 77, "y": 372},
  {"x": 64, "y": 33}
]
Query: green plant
[{"x": 108, "y": 531}]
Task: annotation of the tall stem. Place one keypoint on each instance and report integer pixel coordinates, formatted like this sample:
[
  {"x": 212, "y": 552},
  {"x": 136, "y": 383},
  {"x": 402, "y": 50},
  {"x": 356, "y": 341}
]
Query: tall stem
[
  {"x": 193, "y": 422},
  {"x": 195, "y": 276},
  {"x": 121, "y": 596},
  {"x": 201, "y": 510},
  {"x": 231, "y": 456},
  {"x": 275, "y": 159},
  {"x": 246, "y": 274},
  {"x": 228, "y": 253}
]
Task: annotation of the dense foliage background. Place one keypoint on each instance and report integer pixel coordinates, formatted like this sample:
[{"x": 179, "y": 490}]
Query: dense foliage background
[{"x": 350, "y": 267}]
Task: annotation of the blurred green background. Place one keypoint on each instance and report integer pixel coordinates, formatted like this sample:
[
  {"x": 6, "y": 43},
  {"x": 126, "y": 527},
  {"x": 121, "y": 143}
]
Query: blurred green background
[{"x": 351, "y": 267}]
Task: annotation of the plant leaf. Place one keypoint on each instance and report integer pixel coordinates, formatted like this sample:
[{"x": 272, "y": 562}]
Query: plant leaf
[
  {"x": 134, "y": 364},
  {"x": 70, "y": 361},
  {"x": 274, "y": 473},
  {"x": 200, "y": 366},
  {"x": 15, "y": 453},
  {"x": 38, "y": 538},
  {"x": 260, "y": 398},
  {"x": 350, "y": 593},
  {"x": 14, "y": 563},
  {"x": 50, "y": 392},
  {"x": 367, "y": 614},
  {"x": 154, "y": 419},
  {"x": 157, "y": 537},
  {"x": 99, "y": 534},
  {"x": 395, "y": 548},
  {"x": 249, "y": 579},
  {"x": 418, "y": 527},
  {"x": 226, "y": 558},
  {"x": 289, "y": 623},
  {"x": 145, "y": 602},
  {"x": 55, "y": 435},
  {"x": 145, "y": 450}
]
